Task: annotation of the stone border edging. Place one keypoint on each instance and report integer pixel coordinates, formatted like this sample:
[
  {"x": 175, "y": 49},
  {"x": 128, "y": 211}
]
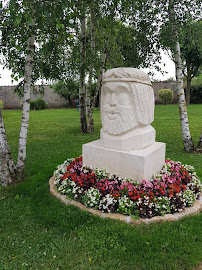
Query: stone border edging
[{"x": 168, "y": 217}]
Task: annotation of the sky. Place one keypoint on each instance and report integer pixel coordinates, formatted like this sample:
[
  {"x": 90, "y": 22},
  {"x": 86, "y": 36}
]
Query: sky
[{"x": 169, "y": 68}]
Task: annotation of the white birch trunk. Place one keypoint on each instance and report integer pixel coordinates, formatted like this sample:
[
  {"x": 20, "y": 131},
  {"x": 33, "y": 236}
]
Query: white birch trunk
[
  {"x": 6, "y": 153},
  {"x": 82, "y": 72},
  {"x": 5, "y": 177},
  {"x": 186, "y": 135},
  {"x": 26, "y": 108},
  {"x": 200, "y": 141},
  {"x": 188, "y": 77},
  {"x": 88, "y": 88},
  {"x": 98, "y": 86}
]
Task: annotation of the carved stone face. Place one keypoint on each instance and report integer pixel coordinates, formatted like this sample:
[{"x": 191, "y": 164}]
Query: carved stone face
[{"x": 118, "y": 114}]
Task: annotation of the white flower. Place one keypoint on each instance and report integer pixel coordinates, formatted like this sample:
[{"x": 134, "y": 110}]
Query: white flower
[
  {"x": 189, "y": 197},
  {"x": 92, "y": 197}
]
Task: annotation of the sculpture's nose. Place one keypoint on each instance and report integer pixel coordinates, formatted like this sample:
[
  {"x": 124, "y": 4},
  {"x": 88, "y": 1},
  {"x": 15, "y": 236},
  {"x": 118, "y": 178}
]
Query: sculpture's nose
[{"x": 113, "y": 99}]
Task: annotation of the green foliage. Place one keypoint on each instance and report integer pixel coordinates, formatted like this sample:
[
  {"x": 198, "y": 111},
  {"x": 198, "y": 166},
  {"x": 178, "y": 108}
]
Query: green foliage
[
  {"x": 124, "y": 45},
  {"x": 49, "y": 22},
  {"x": 171, "y": 79},
  {"x": 129, "y": 45},
  {"x": 191, "y": 47},
  {"x": 197, "y": 80},
  {"x": 1, "y": 104},
  {"x": 196, "y": 94},
  {"x": 38, "y": 104},
  {"x": 165, "y": 96},
  {"x": 68, "y": 89},
  {"x": 190, "y": 38},
  {"x": 37, "y": 229}
]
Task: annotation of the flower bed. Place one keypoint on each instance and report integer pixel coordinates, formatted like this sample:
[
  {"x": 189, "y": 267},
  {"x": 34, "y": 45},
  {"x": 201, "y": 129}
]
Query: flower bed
[{"x": 174, "y": 188}]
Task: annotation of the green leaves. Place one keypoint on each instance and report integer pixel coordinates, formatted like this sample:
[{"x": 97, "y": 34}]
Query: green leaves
[
  {"x": 60, "y": 25},
  {"x": 18, "y": 47},
  {"x": 18, "y": 18},
  {"x": 50, "y": 28}
]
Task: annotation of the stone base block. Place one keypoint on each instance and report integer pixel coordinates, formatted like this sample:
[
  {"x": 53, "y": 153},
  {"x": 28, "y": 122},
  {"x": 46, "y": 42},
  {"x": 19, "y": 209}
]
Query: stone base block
[
  {"x": 135, "y": 164},
  {"x": 137, "y": 139}
]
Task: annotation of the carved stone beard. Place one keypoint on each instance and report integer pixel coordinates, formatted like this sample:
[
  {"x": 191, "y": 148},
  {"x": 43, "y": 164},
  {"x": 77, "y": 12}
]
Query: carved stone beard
[{"x": 124, "y": 121}]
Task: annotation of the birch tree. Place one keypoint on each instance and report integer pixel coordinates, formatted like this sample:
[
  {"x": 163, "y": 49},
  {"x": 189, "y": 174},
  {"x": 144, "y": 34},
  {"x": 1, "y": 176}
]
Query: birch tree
[
  {"x": 85, "y": 10},
  {"x": 82, "y": 107},
  {"x": 200, "y": 141},
  {"x": 21, "y": 25},
  {"x": 26, "y": 104},
  {"x": 98, "y": 87},
  {"x": 106, "y": 32},
  {"x": 186, "y": 135},
  {"x": 88, "y": 88},
  {"x": 91, "y": 99},
  {"x": 9, "y": 171},
  {"x": 108, "y": 48},
  {"x": 174, "y": 15}
]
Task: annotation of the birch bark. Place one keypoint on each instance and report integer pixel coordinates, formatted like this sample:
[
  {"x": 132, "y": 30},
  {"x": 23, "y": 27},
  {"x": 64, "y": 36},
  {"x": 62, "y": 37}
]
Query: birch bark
[
  {"x": 82, "y": 72},
  {"x": 186, "y": 135},
  {"x": 188, "y": 77},
  {"x": 200, "y": 141},
  {"x": 88, "y": 88},
  {"x": 98, "y": 86},
  {"x": 6, "y": 153},
  {"x": 26, "y": 107},
  {"x": 5, "y": 177}
]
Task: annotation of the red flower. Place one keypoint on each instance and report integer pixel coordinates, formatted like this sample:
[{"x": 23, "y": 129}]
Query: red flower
[{"x": 184, "y": 187}]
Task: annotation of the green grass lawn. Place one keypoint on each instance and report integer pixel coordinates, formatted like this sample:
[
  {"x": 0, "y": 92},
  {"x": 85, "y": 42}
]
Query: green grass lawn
[{"x": 38, "y": 232}]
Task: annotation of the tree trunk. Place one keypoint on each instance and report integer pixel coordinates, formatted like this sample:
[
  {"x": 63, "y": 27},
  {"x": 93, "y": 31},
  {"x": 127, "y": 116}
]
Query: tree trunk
[
  {"x": 6, "y": 153},
  {"x": 5, "y": 177},
  {"x": 88, "y": 89},
  {"x": 26, "y": 108},
  {"x": 98, "y": 86},
  {"x": 188, "y": 84},
  {"x": 200, "y": 141},
  {"x": 186, "y": 135},
  {"x": 7, "y": 167},
  {"x": 69, "y": 98},
  {"x": 82, "y": 72}
]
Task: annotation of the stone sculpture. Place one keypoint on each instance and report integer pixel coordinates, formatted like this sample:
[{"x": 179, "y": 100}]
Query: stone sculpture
[
  {"x": 127, "y": 109},
  {"x": 127, "y": 144}
]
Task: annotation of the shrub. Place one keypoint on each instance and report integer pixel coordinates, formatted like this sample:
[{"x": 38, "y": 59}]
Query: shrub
[
  {"x": 38, "y": 104},
  {"x": 165, "y": 96},
  {"x": 1, "y": 104},
  {"x": 196, "y": 94}
]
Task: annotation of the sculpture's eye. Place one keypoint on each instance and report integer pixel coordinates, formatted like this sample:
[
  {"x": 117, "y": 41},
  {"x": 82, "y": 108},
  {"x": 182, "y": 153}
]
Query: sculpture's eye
[{"x": 124, "y": 99}]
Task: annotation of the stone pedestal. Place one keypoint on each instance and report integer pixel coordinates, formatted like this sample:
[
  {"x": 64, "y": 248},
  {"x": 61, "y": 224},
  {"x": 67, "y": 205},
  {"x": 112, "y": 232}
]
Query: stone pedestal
[{"x": 136, "y": 164}]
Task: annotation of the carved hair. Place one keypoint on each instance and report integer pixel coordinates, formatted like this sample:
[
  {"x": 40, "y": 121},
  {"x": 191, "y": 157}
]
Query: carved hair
[
  {"x": 144, "y": 102},
  {"x": 140, "y": 84}
]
